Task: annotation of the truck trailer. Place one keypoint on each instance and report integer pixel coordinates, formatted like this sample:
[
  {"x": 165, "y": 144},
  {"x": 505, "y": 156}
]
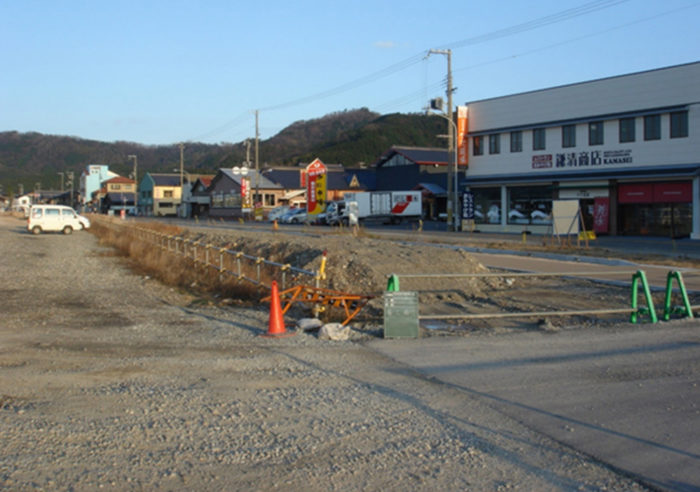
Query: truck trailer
[{"x": 385, "y": 206}]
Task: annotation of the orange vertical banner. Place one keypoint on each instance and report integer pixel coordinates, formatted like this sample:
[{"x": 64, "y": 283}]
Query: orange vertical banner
[{"x": 462, "y": 133}]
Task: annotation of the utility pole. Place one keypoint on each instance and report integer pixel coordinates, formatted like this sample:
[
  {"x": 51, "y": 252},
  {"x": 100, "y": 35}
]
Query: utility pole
[
  {"x": 136, "y": 180},
  {"x": 182, "y": 181},
  {"x": 451, "y": 138},
  {"x": 182, "y": 164},
  {"x": 257, "y": 162},
  {"x": 62, "y": 178},
  {"x": 70, "y": 176}
]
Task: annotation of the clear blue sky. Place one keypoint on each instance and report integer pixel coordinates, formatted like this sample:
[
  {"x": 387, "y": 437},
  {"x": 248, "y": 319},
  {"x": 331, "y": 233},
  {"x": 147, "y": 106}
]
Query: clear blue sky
[{"x": 161, "y": 72}]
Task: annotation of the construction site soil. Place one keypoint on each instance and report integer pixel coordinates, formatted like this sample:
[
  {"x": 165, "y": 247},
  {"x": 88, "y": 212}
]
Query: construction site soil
[
  {"x": 362, "y": 263},
  {"x": 110, "y": 379}
]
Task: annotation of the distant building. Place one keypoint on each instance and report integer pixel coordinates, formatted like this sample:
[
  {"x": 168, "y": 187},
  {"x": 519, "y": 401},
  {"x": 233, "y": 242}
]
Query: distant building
[
  {"x": 416, "y": 168},
  {"x": 195, "y": 200},
  {"x": 159, "y": 194},
  {"x": 91, "y": 180},
  {"x": 119, "y": 194},
  {"x": 226, "y": 197}
]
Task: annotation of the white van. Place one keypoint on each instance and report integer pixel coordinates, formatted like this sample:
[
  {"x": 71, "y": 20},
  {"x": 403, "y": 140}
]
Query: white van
[{"x": 45, "y": 218}]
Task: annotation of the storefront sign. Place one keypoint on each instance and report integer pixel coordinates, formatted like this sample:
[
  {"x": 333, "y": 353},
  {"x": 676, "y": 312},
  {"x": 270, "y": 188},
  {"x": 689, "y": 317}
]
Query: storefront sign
[
  {"x": 670, "y": 192},
  {"x": 468, "y": 205},
  {"x": 586, "y": 158},
  {"x": 462, "y": 140},
  {"x": 542, "y": 161},
  {"x": 315, "y": 187},
  {"x": 246, "y": 195},
  {"x": 601, "y": 215}
]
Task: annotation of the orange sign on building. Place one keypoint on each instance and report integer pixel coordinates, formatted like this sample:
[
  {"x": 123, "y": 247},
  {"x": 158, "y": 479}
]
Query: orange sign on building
[{"x": 462, "y": 133}]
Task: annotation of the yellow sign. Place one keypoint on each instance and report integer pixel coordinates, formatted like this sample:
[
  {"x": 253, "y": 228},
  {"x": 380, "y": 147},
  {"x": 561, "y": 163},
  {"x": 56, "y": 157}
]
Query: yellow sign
[{"x": 316, "y": 188}]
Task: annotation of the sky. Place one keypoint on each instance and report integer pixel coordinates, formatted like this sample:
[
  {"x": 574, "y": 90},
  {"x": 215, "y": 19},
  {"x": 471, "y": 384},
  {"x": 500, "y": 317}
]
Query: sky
[{"x": 163, "y": 72}]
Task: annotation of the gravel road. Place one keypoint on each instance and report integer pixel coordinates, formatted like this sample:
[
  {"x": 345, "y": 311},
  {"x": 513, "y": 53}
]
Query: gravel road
[{"x": 111, "y": 380}]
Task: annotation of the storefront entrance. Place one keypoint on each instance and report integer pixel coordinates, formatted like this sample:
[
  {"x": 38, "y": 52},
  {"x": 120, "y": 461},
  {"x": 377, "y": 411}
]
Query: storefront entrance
[{"x": 656, "y": 209}]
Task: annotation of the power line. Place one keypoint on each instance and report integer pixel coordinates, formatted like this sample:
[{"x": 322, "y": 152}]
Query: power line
[
  {"x": 416, "y": 95},
  {"x": 564, "y": 15},
  {"x": 555, "y": 18},
  {"x": 408, "y": 62}
]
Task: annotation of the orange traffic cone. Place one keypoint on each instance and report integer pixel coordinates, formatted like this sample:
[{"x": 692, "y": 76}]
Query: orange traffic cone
[{"x": 276, "y": 324}]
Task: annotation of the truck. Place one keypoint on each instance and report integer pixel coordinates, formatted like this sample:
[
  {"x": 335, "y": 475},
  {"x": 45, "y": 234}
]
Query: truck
[{"x": 386, "y": 206}]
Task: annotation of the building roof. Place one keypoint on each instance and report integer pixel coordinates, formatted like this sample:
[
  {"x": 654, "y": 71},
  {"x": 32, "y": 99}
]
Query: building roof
[
  {"x": 431, "y": 188},
  {"x": 256, "y": 179},
  {"x": 119, "y": 180},
  {"x": 165, "y": 179},
  {"x": 289, "y": 178},
  {"x": 419, "y": 155}
]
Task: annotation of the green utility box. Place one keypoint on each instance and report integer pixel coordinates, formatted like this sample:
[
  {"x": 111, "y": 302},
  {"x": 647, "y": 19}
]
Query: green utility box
[{"x": 401, "y": 314}]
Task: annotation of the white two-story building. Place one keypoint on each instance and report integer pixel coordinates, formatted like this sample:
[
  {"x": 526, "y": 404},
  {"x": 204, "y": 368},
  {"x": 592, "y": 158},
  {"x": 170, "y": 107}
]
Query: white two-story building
[{"x": 627, "y": 148}]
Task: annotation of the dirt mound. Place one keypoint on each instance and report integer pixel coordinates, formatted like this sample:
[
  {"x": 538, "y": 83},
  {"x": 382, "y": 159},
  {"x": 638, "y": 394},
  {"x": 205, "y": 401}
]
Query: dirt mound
[{"x": 360, "y": 264}]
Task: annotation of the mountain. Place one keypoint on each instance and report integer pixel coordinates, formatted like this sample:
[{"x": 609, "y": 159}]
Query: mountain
[{"x": 352, "y": 137}]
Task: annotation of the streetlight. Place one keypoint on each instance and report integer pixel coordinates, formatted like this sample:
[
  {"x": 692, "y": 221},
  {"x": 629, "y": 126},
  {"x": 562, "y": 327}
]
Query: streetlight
[{"x": 136, "y": 180}]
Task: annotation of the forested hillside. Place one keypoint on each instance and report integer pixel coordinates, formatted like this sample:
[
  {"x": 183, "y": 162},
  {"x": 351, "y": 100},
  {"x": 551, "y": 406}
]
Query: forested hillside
[{"x": 351, "y": 138}]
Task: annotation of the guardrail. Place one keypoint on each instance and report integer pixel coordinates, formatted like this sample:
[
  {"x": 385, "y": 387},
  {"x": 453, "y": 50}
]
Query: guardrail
[
  {"x": 634, "y": 311},
  {"x": 225, "y": 261}
]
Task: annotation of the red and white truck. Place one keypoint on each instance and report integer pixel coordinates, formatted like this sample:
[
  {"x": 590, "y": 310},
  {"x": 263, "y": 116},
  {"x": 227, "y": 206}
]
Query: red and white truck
[{"x": 386, "y": 206}]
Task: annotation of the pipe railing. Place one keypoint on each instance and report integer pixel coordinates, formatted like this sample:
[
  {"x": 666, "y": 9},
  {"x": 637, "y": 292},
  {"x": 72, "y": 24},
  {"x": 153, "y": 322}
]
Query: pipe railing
[
  {"x": 226, "y": 261},
  {"x": 633, "y": 310}
]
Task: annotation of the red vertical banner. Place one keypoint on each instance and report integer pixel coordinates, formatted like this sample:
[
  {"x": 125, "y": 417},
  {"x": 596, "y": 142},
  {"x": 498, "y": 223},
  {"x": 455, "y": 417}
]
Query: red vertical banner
[
  {"x": 462, "y": 133},
  {"x": 315, "y": 187},
  {"x": 246, "y": 197},
  {"x": 601, "y": 214}
]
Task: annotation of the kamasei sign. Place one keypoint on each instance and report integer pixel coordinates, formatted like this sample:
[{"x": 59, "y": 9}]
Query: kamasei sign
[{"x": 582, "y": 159}]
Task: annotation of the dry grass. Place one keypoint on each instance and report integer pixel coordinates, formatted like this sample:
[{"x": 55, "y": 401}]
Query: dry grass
[{"x": 170, "y": 268}]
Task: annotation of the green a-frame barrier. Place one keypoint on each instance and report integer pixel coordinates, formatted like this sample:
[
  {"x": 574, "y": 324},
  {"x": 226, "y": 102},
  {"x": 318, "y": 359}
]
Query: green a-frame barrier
[
  {"x": 685, "y": 309},
  {"x": 650, "y": 309}
]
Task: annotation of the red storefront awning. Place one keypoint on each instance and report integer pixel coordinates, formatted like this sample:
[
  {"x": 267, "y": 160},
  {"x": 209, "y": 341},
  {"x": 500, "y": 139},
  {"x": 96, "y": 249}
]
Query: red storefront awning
[{"x": 670, "y": 192}]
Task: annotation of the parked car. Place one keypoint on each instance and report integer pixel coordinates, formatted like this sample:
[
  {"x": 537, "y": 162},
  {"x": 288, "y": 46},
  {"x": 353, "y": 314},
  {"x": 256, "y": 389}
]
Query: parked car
[
  {"x": 298, "y": 217},
  {"x": 277, "y": 213},
  {"x": 55, "y": 218}
]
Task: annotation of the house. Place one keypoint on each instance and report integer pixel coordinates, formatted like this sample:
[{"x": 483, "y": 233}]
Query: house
[
  {"x": 625, "y": 148},
  {"x": 21, "y": 203},
  {"x": 228, "y": 192},
  {"x": 159, "y": 194},
  {"x": 195, "y": 197},
  {"x": 117, "y": 194}
]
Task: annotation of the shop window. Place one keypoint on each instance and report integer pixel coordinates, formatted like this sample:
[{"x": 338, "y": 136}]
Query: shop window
[
  {"x": 530, "y": 205},
  {"x": 595, "y": 133},
  {"x": 494, "y": 144},
  {"x": 538, "y": 139},
  {"x": 478, "y": 145},
  {"x": 627, "y": 130},
  {"x": 652, "y": 127},
  {"x": 516, "y": 141},
  {"x": 679, "y": 124},
  {"x": 487, "y": 205},
  {"x": 568, "y": 136}
]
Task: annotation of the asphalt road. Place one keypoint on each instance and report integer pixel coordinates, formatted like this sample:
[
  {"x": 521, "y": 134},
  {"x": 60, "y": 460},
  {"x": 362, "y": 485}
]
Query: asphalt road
[
  {"x": 629, "y": 397},
  {"x": 614, "y": 271}
]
